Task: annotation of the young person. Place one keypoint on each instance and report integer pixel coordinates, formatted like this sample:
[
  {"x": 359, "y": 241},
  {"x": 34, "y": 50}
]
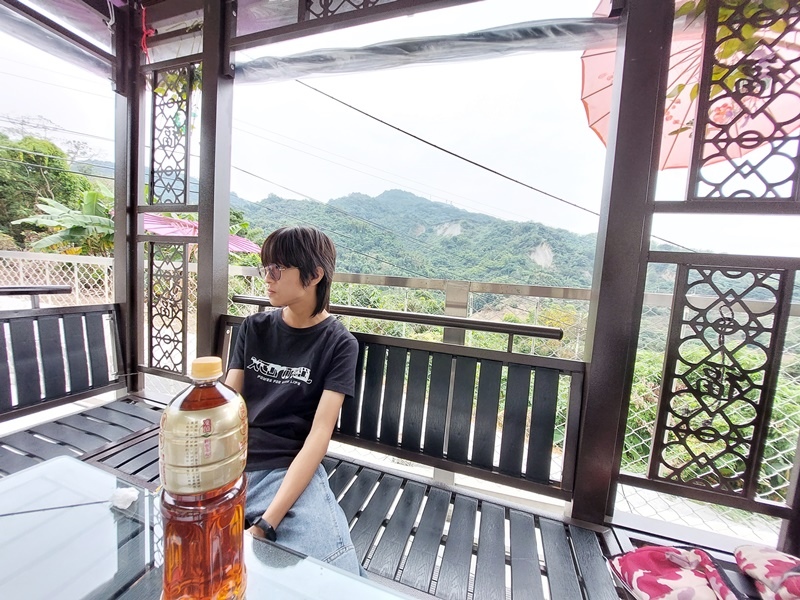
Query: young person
[{"x": 294, "y": 366}]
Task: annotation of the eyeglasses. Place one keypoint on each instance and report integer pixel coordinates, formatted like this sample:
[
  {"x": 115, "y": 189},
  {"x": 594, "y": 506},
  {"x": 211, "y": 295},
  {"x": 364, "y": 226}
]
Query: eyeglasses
[{"x": 273, "y": 270}]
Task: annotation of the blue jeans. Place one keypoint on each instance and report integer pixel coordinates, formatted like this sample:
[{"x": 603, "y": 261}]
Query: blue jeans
[{"x": 315, "y": 526}]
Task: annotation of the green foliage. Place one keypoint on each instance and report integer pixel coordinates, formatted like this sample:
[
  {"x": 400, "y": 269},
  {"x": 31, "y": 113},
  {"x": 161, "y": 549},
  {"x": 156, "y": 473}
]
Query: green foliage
[
  {"x": 782, "y": 438},
  {"x": 398, "y": 233},
  {"x": 88, "y": 231},
  {"x": 32, "y": 169},
  {"x": 735, "y": 67}
]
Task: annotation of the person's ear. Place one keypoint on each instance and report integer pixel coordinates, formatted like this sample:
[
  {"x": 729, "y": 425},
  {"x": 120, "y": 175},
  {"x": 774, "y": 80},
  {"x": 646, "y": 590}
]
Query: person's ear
[{"x": 318, "y": 277}]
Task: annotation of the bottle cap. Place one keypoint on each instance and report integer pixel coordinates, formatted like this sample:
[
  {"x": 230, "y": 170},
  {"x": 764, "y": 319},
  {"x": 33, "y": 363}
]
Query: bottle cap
[{"x": 206, "y": 367}]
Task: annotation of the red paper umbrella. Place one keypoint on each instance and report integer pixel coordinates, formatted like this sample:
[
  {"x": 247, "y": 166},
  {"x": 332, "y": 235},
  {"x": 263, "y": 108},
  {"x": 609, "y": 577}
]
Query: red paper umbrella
[
  {"x": 758, "y": 111},
  {"x": 161, "y": 225}
]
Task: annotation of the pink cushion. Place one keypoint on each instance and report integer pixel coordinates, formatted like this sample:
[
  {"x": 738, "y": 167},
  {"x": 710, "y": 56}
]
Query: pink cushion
[
  {"x": 667, "y": 573},
  {"x": 770, "y": 570}
]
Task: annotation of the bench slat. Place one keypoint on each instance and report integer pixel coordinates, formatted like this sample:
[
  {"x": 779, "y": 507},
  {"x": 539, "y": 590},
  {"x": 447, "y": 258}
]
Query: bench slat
[
  {"x": 30, "y": 444},
  {"x": 421, "y": 560},
  {"x": 526, "y": 576},
  {"x": 486, "y": 413},
  {"x": 341, "y": 477},
  {"x": 55, "y": 383},
  {"x": 373, "y": 382},
  {"x": 329, "y": 464},
  {"x": 461, "y": 414},
  {"x": 392, "y": 544},
  {"x": 96, "y": 337},
  {"x": 118, "y": 418},
  {"x": 393, "y": 395},
  {"x": 490, "y": 569},
  {"x": 542, "y": 425},
  {"x": 11, "y": 462},
  {"x": 436, "y": 419},
  {"x": 128, "y": 555},
  {"x": 415, "y": 399},
  {"x": 77, "y": 359},
  {"x": 589, "y": 556},
  {"x": 561, "y": 573},
  {"x": 26, "y": 363},
  {"x": 454, "y": 572},
  {"x": 514, "y": 418},
  {"x": 62, "y": 433},
  {"x": 5, "y": 377},
  {"x": 136, "y": 409},
  {"x": 150, "y": 473},
  {"x": 141, "y": 461},
  {"x": 348, "y": 418},
  {"x": 119, "y": 458},
  {"x": 373, "y": 516},
  {"x": 147, "y": 587},
  {"x": 355, "y": 497},
  {"x": 110, "y": 432}
]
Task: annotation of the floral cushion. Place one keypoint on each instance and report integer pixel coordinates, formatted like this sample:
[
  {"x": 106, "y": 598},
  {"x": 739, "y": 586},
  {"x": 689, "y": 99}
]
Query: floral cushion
[
  {"x": 775, "y": 574},
  {"x": 670, "y": 573}
]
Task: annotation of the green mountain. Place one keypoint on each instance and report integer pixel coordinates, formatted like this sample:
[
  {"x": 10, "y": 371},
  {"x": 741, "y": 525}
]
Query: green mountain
[{"x": 398, "y": 233}]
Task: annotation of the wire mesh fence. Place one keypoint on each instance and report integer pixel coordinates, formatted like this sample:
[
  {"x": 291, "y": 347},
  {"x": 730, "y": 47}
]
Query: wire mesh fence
[{"x": 91, "y": 279}]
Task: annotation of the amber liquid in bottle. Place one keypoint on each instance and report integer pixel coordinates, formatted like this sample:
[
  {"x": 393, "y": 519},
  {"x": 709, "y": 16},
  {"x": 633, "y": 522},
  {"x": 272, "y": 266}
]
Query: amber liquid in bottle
[
  {"x": 203, "y": 447},
  {"x": 203, "y": 553}
]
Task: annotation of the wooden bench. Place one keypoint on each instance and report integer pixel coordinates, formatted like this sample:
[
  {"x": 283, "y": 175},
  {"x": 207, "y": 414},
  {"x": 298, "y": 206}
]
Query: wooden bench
[
  {"x": 55, "y": 356},
  {"x": 487, "y": 414}
]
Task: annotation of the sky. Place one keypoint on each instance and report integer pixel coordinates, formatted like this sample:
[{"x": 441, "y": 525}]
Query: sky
[{"x": 520, "y": 115}]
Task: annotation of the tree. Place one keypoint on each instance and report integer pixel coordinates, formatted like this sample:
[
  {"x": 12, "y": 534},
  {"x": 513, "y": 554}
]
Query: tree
[
  {"x": 88, "y": 231},
  {"x": 31, "y": 169}
]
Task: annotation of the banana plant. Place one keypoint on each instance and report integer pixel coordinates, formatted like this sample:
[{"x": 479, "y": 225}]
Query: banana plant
[{"x": 88, "y": 231}]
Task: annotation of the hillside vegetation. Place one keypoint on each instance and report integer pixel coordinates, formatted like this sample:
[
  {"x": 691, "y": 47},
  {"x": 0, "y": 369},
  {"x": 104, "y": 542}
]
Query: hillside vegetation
[{"x": 398, "y": 233}]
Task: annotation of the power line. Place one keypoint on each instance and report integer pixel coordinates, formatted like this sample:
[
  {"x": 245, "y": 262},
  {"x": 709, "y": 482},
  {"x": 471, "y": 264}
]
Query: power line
[
  {"x": 470, "y": 161},
  {"x": 38, "y": 166},
  {"x": 66, "y": 87},
  {"x": 346, "y": 166},
  {"x": 450, "y": 152},
  {"x": 388, "y": 125},
  {"x": 339, "y": 210},
  {"x": 406, "y": 269},
  {"x": 64, "y": 158},
  {"x": 54, "y": 128}
]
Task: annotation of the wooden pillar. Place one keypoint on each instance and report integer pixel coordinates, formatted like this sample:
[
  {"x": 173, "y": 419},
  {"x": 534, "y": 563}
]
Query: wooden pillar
[
  {"x": 215, "y": 167},
  {"x": 622, "y": 243},
  {"x": 128, "y": 163}
]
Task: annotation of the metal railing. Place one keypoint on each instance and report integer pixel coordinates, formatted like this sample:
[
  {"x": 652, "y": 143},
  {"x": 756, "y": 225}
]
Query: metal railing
[{"x": 562, "y": 308}]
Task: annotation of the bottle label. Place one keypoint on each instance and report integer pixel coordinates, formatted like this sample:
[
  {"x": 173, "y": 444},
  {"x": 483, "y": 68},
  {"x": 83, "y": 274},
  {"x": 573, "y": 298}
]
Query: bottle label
[{"x": 201, "y": 450}]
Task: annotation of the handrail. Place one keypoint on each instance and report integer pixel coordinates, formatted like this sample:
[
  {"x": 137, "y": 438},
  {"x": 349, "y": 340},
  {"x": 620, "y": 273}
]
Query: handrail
[
  {"x": 551, "y": 333},
  {"x": 27, "y": 290},
  {"x": 33, "y": 291}
]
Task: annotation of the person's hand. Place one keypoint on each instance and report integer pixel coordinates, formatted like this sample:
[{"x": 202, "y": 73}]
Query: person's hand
[{"x": 256, "y": 532}]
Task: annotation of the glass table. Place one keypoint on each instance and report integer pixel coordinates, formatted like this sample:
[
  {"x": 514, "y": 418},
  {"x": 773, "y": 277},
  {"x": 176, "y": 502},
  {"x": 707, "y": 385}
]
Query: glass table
[{"x": 61, "y": 538}]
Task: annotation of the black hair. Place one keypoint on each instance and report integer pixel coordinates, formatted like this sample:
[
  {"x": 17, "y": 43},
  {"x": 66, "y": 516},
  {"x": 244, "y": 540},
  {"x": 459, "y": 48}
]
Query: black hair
[{"x": 306, "y": 248}]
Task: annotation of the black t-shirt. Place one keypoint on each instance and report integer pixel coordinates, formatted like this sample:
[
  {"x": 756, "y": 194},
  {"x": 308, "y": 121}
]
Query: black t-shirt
[{"x": 285, "y": 372}]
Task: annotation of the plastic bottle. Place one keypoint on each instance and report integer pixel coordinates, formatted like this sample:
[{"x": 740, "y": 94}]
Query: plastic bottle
[{"x": 202, "y": 453}]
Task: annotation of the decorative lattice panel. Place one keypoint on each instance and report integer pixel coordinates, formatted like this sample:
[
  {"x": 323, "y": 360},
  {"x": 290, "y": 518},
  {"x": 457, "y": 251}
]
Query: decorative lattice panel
[
  {"x": 320, "y": 9},
  {"x": 171, "y": 127},
  {"x": 719, "y": 377},
  {"x": 168, "y": 298},
  {"x": 748, "y": 111}
]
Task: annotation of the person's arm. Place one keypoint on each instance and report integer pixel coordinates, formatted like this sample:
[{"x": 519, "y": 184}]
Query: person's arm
[
  {"x": 235, "y": 379},
  {"x": 308, "y": 459}
]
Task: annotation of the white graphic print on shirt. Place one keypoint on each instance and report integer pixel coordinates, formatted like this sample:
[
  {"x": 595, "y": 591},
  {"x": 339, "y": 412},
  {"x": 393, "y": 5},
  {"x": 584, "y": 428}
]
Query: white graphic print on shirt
[{"x": 273, "y": 373}]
